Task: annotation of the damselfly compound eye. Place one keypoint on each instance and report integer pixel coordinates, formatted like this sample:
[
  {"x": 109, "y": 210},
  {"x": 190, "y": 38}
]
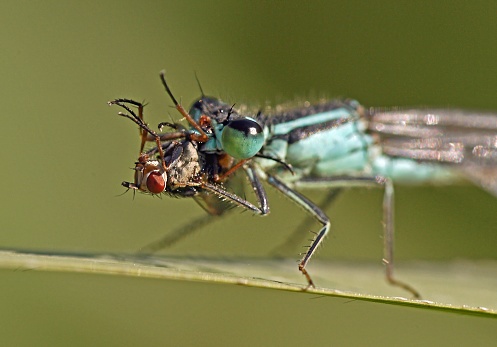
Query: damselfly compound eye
[
  {"x": 242, "y": 138},
  {"x": 155, "y": 183}
]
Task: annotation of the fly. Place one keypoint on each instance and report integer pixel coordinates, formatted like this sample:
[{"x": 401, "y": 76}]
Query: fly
[{"x": 329, "y": 145}]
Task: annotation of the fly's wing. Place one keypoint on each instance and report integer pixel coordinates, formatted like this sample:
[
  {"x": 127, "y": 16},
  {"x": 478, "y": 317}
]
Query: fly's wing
[{"x": 466, "y": 141}]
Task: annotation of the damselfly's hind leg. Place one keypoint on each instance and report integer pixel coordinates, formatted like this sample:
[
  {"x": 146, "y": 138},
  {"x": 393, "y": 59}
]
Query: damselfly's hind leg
[{"x": 388, "y": 237}]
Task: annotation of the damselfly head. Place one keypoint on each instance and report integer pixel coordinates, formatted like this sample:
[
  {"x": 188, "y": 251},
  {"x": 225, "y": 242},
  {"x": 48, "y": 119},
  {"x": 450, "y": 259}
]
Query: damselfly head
[
  {"x": 239, "y": 136},
  {"x": 150, "y": 176}
]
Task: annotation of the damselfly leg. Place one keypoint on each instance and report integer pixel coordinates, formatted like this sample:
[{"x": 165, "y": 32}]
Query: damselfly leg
[
  {"x": 214, "y": 208},
  {"x": 315, "y": 212},
  {"x": 137, "y": 119},
  {"x": 297, "y": 235},
  {"x": 388, "y": 219}
]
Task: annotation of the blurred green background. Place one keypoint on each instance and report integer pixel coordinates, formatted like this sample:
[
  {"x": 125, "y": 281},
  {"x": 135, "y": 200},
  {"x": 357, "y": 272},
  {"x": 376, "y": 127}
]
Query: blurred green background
[{"x": 65, "y": 153}]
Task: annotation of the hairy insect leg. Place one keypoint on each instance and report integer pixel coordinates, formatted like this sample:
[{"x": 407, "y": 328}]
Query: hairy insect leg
[
  {"x": 138, "y": 120},
  {"x": 202, "y": 137},
  {"x": 389, "y": 237},
  {"x": 230, "y": 198},
  {"x": 388, "y": 216},
  {"x": 314, "y": 212},
  {"x": 297, "y": 236},
  {"x": 258, "y": 188}
]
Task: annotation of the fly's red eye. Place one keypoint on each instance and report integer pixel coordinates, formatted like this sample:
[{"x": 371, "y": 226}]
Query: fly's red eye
[{"x": 155, "y": 183}]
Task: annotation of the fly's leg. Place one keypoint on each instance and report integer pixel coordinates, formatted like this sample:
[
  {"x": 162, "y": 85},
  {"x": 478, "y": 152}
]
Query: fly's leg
[{"x": 315, "y": 212}]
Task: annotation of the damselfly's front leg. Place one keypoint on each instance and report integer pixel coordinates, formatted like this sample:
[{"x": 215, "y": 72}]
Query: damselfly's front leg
[
  {"x": 258, "y": 188},
  {"x": 146, "y": 133},
  {"x": 214, "y": 211},
  {"x": 137, "y": 119}
]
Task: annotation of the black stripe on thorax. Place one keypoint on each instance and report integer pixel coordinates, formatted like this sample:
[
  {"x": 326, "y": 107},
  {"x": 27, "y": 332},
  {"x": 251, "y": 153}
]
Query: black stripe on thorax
[{"x": 310, "y": 130}]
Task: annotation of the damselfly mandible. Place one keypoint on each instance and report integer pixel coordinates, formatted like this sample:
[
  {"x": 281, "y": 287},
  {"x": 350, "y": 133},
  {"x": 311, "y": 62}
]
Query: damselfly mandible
[{"x": 331, "y": 144}]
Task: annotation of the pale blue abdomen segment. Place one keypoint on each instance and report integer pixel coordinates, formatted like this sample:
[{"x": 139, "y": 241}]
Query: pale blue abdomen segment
[{"x": 404, "y": 170}]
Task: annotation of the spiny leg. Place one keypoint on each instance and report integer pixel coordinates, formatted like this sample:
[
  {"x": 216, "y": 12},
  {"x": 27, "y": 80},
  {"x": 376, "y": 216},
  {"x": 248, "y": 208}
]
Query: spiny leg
[
  {"x": 315, "y": 212},
  {"x": 122, "y": 103},
  {"x": 258, "y": 188},
  {"x": 202, "y": 137},
  {"x": 388, "y": 216},
  {"x": 192, "y": 227},
  {"x": 297, "y": 235},
  {"x": 138, "y": 120},
  {"x": 388, "y": 237}
]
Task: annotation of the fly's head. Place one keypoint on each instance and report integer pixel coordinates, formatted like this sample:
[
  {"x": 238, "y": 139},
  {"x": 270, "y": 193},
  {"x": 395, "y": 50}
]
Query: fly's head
[
  {"x": 177, "y": 174},
  {"x": 150, "y": 176}
]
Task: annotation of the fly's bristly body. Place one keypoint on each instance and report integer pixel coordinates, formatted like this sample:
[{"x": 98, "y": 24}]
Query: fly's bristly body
[{"x": 331, "y": 144}]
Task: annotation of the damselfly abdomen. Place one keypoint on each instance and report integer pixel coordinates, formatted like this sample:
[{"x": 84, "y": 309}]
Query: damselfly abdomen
[{"x": 330, "y": 144}]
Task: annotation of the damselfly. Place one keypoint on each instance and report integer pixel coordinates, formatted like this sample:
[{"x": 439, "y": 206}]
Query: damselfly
[{"x": 330, "y": 144}]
